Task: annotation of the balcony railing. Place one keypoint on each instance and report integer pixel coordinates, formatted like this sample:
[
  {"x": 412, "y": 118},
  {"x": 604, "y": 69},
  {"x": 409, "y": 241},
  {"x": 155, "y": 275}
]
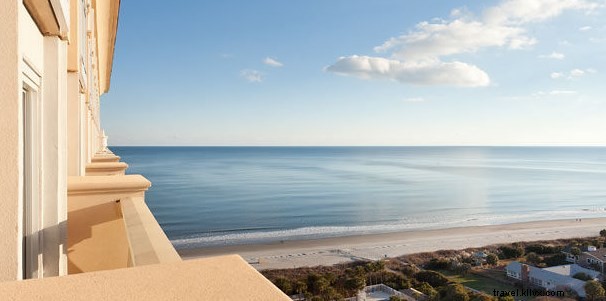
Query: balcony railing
[
  {"x": 110, "y": 226},
  {"x": 147, "y": 242}
]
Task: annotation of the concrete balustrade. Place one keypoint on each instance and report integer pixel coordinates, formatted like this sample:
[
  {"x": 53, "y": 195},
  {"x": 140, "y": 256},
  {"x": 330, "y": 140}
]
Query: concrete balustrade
[
  {"x": 105, "y": 158},
  {"x": 147, "y": 242},
  {"x": 216, "y": 278},
  {"x": 106, "y": 168},
  {"x": 110, "y": 226}
]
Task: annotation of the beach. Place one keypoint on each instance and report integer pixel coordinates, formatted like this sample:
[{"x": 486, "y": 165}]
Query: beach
[{"x": 329, "y": 251}]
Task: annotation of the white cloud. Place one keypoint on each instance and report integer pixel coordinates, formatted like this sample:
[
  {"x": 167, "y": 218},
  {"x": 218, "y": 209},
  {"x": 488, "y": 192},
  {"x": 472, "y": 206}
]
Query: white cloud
[
  {"x": 577, "y": 72},
  {"x": 585, "y": 28},
  {"x": 541, "y": 94},
  {"x": 562, "y": 92},
  {"x": 420, "y": 73},
  {"x": 272, "y": 62},
  {"x": 424, "y": 49},
  {"x": 572, "y": 74},
  {"x": 252, "y": 76},
  {"x": 554, "y": 55},
  {"x": 415, "y": 99},
  {"x": 516, "y": 12},
  {"x": 556, "y": 75}
]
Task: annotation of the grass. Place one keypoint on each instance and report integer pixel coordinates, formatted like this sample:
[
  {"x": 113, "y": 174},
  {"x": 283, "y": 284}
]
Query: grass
[{"x": 481, "y": 283}]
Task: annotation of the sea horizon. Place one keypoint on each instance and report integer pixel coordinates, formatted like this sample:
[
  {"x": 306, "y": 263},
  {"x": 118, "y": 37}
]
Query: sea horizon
[{"x": 209, "y": 196}]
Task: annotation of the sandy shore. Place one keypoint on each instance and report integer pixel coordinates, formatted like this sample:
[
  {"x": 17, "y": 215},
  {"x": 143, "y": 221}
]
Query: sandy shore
[{"x": 330, "y": 251}]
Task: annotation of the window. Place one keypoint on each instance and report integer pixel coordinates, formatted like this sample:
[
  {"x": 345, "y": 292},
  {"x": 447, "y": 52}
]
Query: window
[{"x": 31, "y": 242}]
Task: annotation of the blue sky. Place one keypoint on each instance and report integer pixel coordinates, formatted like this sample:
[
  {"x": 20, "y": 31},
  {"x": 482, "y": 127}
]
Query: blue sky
[{"x": 353, "y": 72}]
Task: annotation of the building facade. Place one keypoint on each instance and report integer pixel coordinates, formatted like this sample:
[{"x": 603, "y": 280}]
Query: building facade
[
  {"x": 551, "y": 278},
  {"x": 67, "y": 205},
  {"x": 56, "y": 59}
]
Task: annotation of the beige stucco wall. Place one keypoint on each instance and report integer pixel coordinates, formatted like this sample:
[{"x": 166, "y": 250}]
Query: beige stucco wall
[
  {"x": 217, "y": 278},
  {"x": 74, "y": 166},
  {"x": 9, "y": 138},
  {"x": 96, "y": 234},
  {"x": 73, "y": 61},
  {"x": 54, "y": 153},
  {"x": 106, "y": 23}
]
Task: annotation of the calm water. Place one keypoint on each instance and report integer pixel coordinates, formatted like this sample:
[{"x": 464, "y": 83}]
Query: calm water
[{"x": 206, "y": 196}]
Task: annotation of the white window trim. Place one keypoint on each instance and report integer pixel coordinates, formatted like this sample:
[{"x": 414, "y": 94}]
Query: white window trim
[{"x": 32, "y": 263}]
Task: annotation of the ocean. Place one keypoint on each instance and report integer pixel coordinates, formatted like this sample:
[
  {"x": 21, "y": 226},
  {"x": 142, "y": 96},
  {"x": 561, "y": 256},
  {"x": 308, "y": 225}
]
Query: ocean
[{"x": 216, "y": 196}]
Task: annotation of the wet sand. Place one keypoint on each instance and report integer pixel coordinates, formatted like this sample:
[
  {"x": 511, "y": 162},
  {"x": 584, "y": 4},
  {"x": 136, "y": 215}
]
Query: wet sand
[{"x": 328, "y": 251}]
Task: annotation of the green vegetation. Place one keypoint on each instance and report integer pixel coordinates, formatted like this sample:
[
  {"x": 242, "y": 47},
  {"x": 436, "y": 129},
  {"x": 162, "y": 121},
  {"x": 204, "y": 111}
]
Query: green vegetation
[
  {"x": 533, "y": 258},
  {"x": 594, "y": 290},
  {"x": 433, "y": 278},
  {"x": 515, "y": 251},
  {"x": 582, "y": 276},
  {"x": 492, "y": 259},
  {"x": 446, "y": 275}
]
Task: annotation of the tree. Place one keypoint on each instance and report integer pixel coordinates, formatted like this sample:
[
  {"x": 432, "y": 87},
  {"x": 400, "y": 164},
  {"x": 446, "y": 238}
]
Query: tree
[
  {"x": 437, "y": 264},
  {"x": 284, "y": 285},
  {"x": 462, "y": 269},
  {"x": 434, "y": 279},
  {"x": 300, "y": 287},
  {"x": 594, "y": 290},
  {"x": 317, "y": 284},
  {"x": 557, "y": 259},
  {"x": 395, "y": 298},
  {"x": 492, "y": 259},
  {"x": 575, "y": 251},
  {"x": 515, "y": 251},
  {"x": 582, "y": 276},
  {"x": 603, "y": 232},
  {"x": 426, "y": 289},
  {"x": 355, "y": 283},
  {"x": 533, "y": 258},
  {"x": 507, "y": 298},
  {"x": 456, "y": 292}
]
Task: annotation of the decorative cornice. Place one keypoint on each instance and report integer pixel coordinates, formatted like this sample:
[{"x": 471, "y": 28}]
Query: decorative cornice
[
  {"x": 49, "y": 17},
  {"x": 106, "y": 184}
]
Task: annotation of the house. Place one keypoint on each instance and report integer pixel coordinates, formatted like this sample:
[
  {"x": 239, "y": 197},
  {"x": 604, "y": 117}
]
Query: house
[
  {"x": 67, "y": 207},
  {"x": 590, "y": 257},
  {"x": 479, "y": 258},
  {"x": 381, "y": 292},
  {"x": 552, "y": 278}
]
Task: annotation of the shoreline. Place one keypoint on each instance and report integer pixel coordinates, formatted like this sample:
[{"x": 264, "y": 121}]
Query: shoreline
[{"x": 330, "y": 251}]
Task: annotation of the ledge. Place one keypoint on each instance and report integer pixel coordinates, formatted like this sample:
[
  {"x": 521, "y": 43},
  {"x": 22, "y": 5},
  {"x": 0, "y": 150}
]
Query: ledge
[
  {"x": 147, "y": 242},
  {"x": 105, "y": 158},
  {"x": 106, "y": 184},
  {"x": 216, "y": 278},
  {"x": 48, "y": 16},
  {"x": 106, "y": 168}
]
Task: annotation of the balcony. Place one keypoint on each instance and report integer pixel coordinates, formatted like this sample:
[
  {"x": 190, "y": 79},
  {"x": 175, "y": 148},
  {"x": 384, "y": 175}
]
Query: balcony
[
  {"x": 109, "y": 226},
  {"x": 216, "y": 278},
  {"x": 117, "y": 250}
]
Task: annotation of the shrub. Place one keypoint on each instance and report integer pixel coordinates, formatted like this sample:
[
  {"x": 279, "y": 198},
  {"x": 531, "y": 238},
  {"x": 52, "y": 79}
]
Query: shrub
[
  {"x": 284, "y": 285},
  {"x": 533, "y": 258},
  {"x": 542, "y": 249},
  {"x": 456, "y": 292},
  {"x": 437, "y": 264},
  {"x": 510, "y": 252},
  {"x": 492, "y": 259},
  {"x": 582, "y": 276},
  {"x": 557, "y": 259},
  {"x": 433, "y": 278}
]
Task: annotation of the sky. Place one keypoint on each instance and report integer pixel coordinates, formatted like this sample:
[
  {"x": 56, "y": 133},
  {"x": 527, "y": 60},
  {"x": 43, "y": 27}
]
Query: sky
[{"x": 353, "y": 72}]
